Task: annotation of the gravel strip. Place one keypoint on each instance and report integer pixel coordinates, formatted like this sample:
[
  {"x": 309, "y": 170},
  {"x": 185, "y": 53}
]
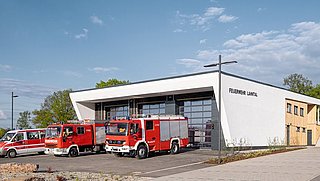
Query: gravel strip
[{"x": 62, "y": 176}]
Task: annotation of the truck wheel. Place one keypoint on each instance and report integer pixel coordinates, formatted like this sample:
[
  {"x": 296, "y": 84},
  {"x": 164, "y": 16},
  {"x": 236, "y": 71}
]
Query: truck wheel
[
  {"x": 142, "y": 152},
  {"x": 11, "y": 154},
  {"x": 174, "y": 148},
  {"x": 132, "y": 153},
  {"x": 41, "y": 153},
  {"x": 73, "y": 152}
]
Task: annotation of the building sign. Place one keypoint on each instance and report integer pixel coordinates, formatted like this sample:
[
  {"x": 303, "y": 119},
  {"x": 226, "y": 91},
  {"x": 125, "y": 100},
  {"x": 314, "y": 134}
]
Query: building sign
[{"x": 242, "y": 92}]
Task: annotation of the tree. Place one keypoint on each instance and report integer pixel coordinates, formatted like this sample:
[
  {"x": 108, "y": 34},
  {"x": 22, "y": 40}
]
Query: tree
[
  {"x": 111, "y": 82},
  {"x": 314, "y": 92},
  {"x": 24, "y": 120},
  {"x": 2, "y": 132},
  {"x": 298, "y": 83},
  {"x": 56, "y": 108}
]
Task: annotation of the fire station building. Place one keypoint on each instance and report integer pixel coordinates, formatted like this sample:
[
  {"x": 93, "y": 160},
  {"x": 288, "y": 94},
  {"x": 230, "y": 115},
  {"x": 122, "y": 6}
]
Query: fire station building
[{"x": 252, "y": 113}]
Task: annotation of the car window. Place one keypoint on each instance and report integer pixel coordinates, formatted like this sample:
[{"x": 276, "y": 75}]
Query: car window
[{"x": 33, "y": 135}]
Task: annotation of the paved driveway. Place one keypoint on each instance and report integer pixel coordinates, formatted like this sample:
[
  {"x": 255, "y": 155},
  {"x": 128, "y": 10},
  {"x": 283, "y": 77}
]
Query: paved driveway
[
  {"x": 297, "y": 165},
  {"x": 155, "y": 166}
]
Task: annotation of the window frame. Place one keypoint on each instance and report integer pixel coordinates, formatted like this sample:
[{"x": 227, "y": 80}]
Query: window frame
[
  {"x": 295, "y": 110},
  {"x": 83, "y": 130},
  {"x": 289, "y": 108},
  {"x": 148, "y": 126},
  {"x": 301, "y": 111}
]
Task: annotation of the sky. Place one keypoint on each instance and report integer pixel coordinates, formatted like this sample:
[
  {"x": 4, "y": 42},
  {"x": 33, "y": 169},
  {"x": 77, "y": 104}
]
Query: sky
[{"x": 46, "y": 46}]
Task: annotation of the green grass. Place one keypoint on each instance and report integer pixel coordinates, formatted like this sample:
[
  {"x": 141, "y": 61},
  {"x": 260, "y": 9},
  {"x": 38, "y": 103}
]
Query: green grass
[{"x": 254, "y": 154}]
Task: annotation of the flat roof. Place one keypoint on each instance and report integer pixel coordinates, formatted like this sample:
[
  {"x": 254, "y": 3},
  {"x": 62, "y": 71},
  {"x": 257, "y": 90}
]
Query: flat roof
[{"x": 187, "y": 75}]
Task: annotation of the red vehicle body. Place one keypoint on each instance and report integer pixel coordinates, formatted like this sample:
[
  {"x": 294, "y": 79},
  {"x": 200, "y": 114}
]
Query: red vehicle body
[
  {"x": 140, "y": 136},
  {"x": 72, "y": 138},
  {"x": 21, "y": 142}
]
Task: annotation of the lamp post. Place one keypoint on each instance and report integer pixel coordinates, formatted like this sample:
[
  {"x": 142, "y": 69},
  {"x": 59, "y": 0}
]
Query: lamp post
[
  {"x": 12, "y": 96},
  {"x": 219, "y": 117}
]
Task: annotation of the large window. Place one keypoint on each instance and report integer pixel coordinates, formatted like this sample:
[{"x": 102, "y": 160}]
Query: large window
[
  {"x": 152, "y": 109},
  {"x": 199, "y": 113},
  {"x": 116, "y": 111}
]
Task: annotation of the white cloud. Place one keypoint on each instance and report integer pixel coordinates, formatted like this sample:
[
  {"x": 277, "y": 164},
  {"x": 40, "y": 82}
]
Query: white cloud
[
  {"x": 203, "y": 41},
  {"x": 269, "y": 55},
  {"x": 2, "y": 115},
  {"x": 24, "y": 89},
  {"x": 261, "y": 9},
  {"x": 213, "y": 11},
  {"x": 194, "y": 64},
  {"x": 96, "y": 20},
  {"x": 103, "y": 69},
  {"x": 5, "y": 68},
  {"x": 71, "y": 73},
  {"x": 178, "y": 30},
  {"x": 203, "y": 21},
  {"x": 227, "y": 19},
  {"x": 82, "y": 35}
]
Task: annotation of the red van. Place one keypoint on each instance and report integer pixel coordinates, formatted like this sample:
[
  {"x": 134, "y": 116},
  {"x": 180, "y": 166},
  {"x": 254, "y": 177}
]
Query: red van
[{"x": 22, "y": 141}]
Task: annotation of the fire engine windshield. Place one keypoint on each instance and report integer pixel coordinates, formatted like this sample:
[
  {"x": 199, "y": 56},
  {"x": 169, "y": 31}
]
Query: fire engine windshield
[
  {"x": 53, "y": 132},
  {"x": 7, "y": 137},
  {"x": 117, "y": 129}
]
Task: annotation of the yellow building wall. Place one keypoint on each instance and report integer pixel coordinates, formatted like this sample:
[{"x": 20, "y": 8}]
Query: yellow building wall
[
  {"x": 312, "y": 123},
  {"x": 298, "y": 124}
]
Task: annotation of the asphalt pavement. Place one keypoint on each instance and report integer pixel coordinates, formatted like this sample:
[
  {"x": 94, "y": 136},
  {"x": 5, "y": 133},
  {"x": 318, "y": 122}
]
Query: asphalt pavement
[{"x": 299, "y": 165}]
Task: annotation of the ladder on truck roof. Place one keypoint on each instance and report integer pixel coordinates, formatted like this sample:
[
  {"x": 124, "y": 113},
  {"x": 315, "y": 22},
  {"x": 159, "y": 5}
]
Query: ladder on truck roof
[
  {"x": 161, "y": 116},
  {"x": 86, "y": 121}
]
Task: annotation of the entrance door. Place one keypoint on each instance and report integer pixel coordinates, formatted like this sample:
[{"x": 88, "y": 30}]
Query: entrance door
[
  {"x": 309, "y": 137},
  {"x": 288, "y": 134}
]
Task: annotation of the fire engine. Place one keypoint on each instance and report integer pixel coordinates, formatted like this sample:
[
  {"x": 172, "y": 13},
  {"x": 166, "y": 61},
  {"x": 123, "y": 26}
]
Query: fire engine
[
  {"x": 21, "y": 142},
  {"x": 74, "y": 137},
  {"x": 140, "y": 136}
]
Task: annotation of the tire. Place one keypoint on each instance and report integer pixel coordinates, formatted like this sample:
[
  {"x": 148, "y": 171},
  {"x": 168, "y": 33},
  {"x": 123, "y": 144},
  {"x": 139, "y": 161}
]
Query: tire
[
  {"x": 132, "y": 153},
  {"x": 73, "y": 152},
  {"x": 174, "y": 148},
  {"x": 142, "y": 152},
  {"x": 41, "y": 153},
  {"x": 11, "y": 154}
]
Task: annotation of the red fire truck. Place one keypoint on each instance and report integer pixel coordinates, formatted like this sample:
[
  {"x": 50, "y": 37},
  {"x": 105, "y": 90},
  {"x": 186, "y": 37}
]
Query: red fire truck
[
  {"x": 21, "y": 142},
  {"x": 140, "y": 136},
  {"x": 74, "y": 137}
]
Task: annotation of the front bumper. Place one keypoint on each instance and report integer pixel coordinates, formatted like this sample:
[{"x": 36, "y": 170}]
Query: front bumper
[
  {"x": 56, "y": 151},
  {"x": 119, "y": 149}
]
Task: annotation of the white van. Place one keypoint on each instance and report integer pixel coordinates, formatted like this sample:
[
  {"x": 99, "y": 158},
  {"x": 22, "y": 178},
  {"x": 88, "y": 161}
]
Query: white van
[{"x": 22, "y": 141}]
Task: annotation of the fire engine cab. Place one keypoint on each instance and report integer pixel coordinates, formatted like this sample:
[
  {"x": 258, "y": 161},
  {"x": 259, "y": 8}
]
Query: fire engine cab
[
  {"x": 140, "y": 136},
  {"x": 74, "y": 137}
]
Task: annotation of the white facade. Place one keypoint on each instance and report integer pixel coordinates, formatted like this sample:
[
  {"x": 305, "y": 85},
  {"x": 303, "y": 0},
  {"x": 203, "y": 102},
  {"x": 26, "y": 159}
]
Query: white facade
[{"x": 250, "y": 110}]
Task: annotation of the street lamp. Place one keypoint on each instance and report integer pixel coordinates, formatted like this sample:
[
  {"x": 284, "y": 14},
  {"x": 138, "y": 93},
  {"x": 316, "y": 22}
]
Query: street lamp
[
  {"x": 219, "y": 117},
  {"x": 12, "y": 96}
]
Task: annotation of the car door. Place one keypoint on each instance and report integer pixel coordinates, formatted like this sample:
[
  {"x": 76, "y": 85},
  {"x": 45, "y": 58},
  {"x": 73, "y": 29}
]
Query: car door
[
  {"x": 19, "y": 142},
  {"x": 33, "y": 142},
  {"x": 152, "y": 134}
]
